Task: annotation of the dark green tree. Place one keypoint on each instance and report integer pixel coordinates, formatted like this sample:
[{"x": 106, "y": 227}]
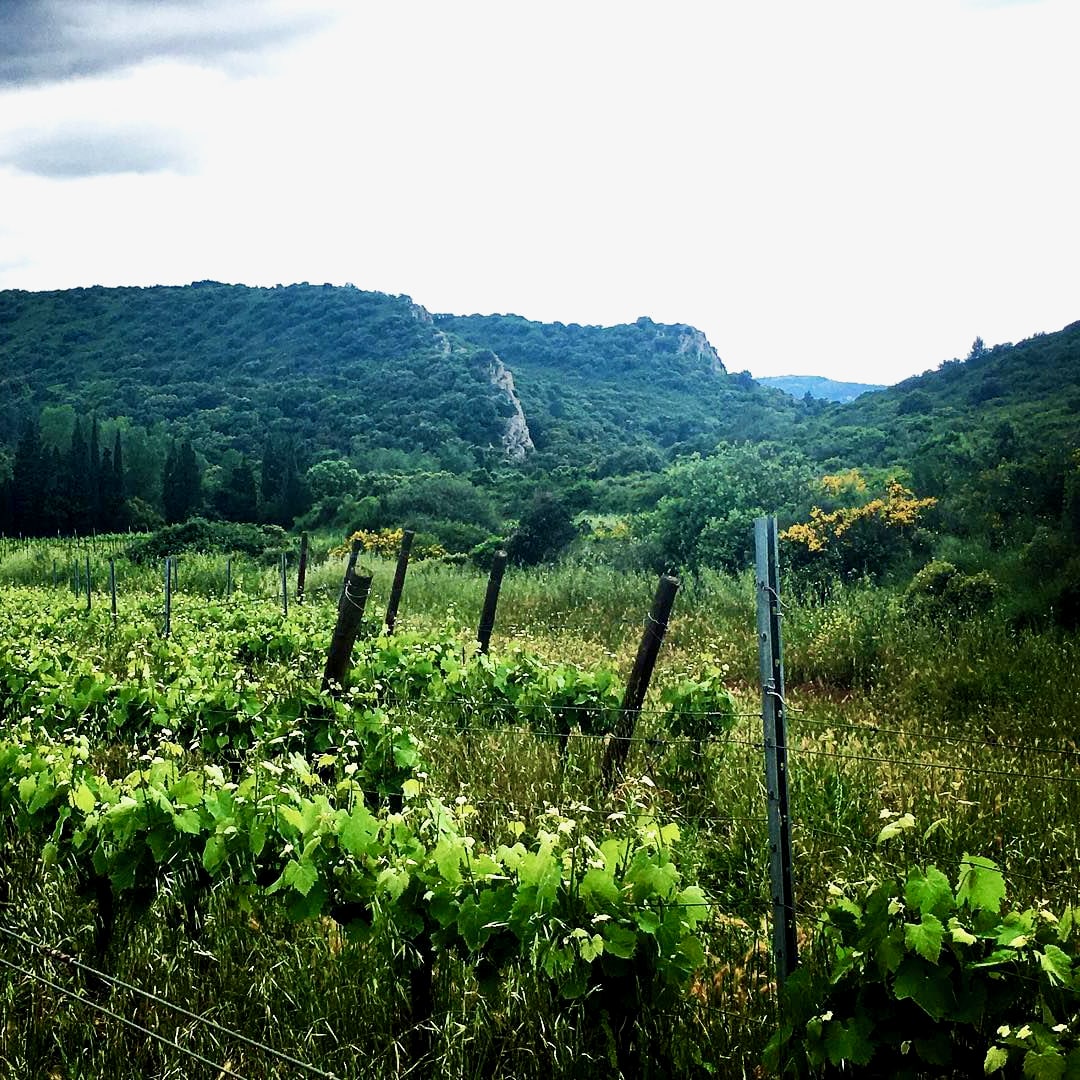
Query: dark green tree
[
  {"x": 182, "y": 484},
  {"x": 238, "y": 499},
  {"x": 78, "y": 483},
  {"x": 27, "y": 479},
  {"x": 546, "y": 529}
]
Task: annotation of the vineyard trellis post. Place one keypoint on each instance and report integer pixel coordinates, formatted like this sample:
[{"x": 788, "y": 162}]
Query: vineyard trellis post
[
  {"x": 88, "y": 583},
  {"x": 168, "y": 597},
  {"x": 284, "y": 588},
  {"x": 399, "y": 579},
  {"x": 112, "y": 587},
  {"x": 351, "y": 605},
  {"x": 491, "y": 601},
  {"x": 774, "y": 721},
  {"x": 354, "y": 554},
  {"x": 656, "y": 623},
  {"x": 301, "y": 569}
]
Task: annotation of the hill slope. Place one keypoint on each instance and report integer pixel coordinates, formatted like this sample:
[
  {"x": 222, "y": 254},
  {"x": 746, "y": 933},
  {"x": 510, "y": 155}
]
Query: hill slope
[
  {"x": 345, "y": 372},
  {"x": 1028, "y": 393}
]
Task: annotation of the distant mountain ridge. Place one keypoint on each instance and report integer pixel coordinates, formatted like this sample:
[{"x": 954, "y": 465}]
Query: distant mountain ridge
[
  {"x": 348, "y": 372},
  {"x": 818, "y": 386}
]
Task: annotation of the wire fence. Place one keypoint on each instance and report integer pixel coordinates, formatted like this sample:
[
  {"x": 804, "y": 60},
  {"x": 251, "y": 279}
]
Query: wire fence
[{"x": 1014, "y": 799}]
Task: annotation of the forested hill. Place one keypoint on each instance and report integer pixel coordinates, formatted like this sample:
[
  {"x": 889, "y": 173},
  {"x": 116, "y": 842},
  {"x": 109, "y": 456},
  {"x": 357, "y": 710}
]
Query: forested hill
[
  {"x": 1005, "y": 400},
  {"x": 350, "y": 373},
  {"x": 624, "y": 390},
  {"x": 338, "y": 368}
]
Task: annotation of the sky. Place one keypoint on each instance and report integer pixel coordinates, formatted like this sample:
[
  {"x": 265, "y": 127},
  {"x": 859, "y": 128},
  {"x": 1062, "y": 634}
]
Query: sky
[{"x": 848, "y": 188}]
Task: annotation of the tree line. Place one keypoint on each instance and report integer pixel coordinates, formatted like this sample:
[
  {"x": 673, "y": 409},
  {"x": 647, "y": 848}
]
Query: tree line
[{"x": 86, "y": 486}]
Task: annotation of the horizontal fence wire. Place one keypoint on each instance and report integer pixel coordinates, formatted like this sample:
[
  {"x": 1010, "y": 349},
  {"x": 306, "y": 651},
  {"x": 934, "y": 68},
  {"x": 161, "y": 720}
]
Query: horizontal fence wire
[
  {"x": 222, "y": 1070},
  {"x": 1005, "y": 774},
  {"x": 956, "y": 740},
  {"x": 71, "y": 961}
]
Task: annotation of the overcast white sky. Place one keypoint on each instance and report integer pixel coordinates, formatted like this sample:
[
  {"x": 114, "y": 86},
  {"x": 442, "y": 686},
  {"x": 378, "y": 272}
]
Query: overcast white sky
[{"x": 853, "y": 188}]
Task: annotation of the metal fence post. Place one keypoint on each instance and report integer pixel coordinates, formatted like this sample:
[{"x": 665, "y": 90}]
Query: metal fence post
[{"x": 771, "y": 662}]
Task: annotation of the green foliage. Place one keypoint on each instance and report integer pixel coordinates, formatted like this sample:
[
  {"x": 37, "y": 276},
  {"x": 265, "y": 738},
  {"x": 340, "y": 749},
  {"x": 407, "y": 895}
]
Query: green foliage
[
  {"x": 545, "y": 530},
  {"x": 706, "y": 516},
  {"x": 940, "y": 591},
  {"x": 925, "y": 976},
  {"x": 200, "y": 535}
]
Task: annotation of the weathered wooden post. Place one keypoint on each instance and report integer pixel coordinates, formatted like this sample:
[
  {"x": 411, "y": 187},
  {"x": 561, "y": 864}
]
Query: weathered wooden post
[
  {"x": 354, "y": 553},
  {"x": 399, "y": 579},
  {"x": 656, "y": 623},
  {"x": 491, "y": 601},
  {"x": 351, "y": 605}
]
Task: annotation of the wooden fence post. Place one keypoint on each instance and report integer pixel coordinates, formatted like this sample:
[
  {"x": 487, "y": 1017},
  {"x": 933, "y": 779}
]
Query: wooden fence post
[
  {"x": 491, "y": 601},
  {"x": 350, "y": 613},
  {"x": 399, "y": 579},
  {"x": 301, "y": 570},
  {"x": 656, "y": 623}
]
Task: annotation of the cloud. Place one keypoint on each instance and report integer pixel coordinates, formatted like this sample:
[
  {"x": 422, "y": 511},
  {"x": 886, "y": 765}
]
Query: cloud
[
  {"x": 67, "y": 153},
  {"x": 44, "y": 41}
]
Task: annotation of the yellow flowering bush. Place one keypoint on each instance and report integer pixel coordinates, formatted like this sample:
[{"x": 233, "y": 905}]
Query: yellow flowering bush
[
  {"x": 387, "y": 543},
  {"x": 858, "y": 539}
]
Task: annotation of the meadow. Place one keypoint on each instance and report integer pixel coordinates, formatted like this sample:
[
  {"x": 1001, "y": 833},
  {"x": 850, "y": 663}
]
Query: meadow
[{"x": 425, "y": 874}]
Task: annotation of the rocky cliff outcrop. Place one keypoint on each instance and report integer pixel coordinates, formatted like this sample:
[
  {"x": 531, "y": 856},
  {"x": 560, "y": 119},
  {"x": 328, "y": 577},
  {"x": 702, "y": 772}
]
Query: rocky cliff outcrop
[{"x": 516, "y": 440}]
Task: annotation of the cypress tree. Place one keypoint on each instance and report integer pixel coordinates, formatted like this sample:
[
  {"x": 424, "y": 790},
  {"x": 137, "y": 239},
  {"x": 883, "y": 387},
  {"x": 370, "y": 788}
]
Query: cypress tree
[
  {"x": 28, "y": 478},
  {"x": 77, "y": 486},
  {"x": 182, "y": 484},
  {"x": 94, "y": 475}
]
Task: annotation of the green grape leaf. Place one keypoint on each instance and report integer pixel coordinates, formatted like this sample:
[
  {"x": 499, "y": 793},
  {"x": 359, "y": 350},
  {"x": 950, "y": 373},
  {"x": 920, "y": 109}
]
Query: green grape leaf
[
  {"x": 257, "y": 838},
  {"x": 849, "y": 1042},
  {"x": 997, "y": 1058},
  {"x": 187, "y": 791},
  {"x": 598, "y": 890},
  {"x": 927, "y": 986},
  {"x": 83, "y": 799},
  {"x": 1057, "y": 965},
  {"x": 618, "y": 940},
  {"x": 960, "y": 934},
  {"x": 930, "y": 893},
  {"x": 895, "y": 828},
  {"x": 188, "y": 822},
  {"x": 1048, "y": 1065},
  {"x": 981, "y": 886},
  {"x": 358, "y": 830},
  {"x": 925, "y": 937},
  {"x": 301, "y": 875},
  {"x": 214, "y": 853}
]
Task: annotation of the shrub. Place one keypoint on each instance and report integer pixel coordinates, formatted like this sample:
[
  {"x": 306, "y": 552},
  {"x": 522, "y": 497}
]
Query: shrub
[{"x": 197, "y": 535}]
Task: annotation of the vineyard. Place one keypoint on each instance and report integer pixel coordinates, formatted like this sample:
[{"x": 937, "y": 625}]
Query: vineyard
[{"x": 212, "y": 865}]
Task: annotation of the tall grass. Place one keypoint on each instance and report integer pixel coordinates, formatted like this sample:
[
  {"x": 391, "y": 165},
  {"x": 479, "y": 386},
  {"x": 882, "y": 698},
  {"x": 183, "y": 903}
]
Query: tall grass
[{"x": 966, "y": 724}]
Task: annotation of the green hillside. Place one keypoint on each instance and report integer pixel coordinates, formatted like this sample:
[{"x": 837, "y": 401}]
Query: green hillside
[
  {"x": 338, "y": 368},
  {"x": 590, "y": 390}
]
